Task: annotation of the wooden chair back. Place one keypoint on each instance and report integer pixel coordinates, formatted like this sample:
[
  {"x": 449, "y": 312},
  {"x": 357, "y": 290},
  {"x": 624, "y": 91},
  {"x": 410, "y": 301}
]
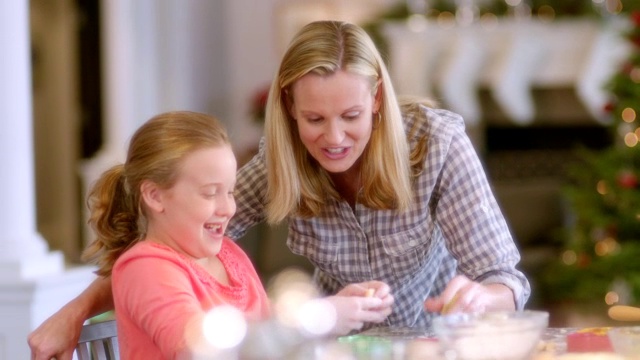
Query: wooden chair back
[{"x": 98, "y": 341}]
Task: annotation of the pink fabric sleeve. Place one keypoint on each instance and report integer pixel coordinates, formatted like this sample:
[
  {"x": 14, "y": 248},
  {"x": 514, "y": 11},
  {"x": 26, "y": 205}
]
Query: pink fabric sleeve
[{"x": 164, "y": 306}]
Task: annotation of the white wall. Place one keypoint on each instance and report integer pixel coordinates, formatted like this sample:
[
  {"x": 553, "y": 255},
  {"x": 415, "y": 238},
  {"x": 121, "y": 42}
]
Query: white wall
[{"x": 158, "y": 55}]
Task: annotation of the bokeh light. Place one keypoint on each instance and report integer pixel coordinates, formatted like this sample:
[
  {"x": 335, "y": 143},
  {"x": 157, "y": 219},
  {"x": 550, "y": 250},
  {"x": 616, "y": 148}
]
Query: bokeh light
[
  {"x": 611, "y": 298},
  {"x": 569, "y": 257},
  {"x": 489, "y": 21},
  {"x": 466, "y": 15},
  {"x": 546, "y": 13},
  {"x": 631, "y": 139},
  {"x": 224, "y": 327},
  {"x": 417, "y": 22},
  {"x": 317, "y": 317},
  {"x": 628, "y": 115},
  {"x": 290, "y": 290},
  {"x": 613, "y": 6},
  {"x": 635, "y": 75},
  {"x": 601, "y": 187},
  {"x": 607, "y": 246},
  {"x": 446, "y": 20}
]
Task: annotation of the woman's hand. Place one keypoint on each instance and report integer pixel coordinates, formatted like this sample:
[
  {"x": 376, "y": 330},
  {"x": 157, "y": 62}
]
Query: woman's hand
[
  {"x": 466, "y": 296},
  {"x": 357, "y": 304},
  {"x": 56, "y": 337}
]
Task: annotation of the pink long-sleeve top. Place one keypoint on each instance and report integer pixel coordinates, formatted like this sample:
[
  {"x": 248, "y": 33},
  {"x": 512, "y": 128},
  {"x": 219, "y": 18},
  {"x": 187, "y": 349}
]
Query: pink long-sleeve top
[{"x": 159, "y": 294}]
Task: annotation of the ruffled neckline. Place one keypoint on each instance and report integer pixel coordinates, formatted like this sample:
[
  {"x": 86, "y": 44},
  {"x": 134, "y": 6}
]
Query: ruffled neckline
[{"x": 237, "y": 289}]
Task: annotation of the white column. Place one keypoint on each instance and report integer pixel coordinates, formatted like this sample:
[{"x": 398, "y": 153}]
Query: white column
[
  {"x": 33, "y": 282},
  {"x": 23, "y": 253},
  {"x": 120, "y": 90}
]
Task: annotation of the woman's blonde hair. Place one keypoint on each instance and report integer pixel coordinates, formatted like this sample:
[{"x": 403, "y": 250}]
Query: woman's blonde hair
[
  {"x": 156, "y": 151},
  {"x": 296, "y": 185}
]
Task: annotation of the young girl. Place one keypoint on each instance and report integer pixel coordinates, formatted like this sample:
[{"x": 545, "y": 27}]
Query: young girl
[{"x": 162, "y": 214}]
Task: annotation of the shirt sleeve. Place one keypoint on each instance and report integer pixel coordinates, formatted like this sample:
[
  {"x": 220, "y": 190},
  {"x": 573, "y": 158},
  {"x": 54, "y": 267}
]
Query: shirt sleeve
[
  {"x": 250, "y": 193},
  {"x": 166, "y": 308},
  {"x": 476, "y": 231}
]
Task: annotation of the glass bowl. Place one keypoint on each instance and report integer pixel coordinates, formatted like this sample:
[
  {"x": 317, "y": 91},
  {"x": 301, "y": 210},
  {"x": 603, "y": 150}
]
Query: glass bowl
[
  {"x": 501, "y": 335},
  {"x": 626, "y": 341}
]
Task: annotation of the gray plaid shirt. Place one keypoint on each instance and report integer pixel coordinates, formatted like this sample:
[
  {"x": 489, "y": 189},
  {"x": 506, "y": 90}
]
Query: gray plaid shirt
[{"x": 454, "y": 226}]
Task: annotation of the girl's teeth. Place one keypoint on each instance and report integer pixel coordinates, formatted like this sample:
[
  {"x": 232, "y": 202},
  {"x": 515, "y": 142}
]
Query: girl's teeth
[{"x": 335, "y": 150}]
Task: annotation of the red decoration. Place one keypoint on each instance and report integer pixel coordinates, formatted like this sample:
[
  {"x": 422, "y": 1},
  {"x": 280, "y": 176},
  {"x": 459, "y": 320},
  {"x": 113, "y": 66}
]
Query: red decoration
[
  {"x": 634, "y": 36},
  {"x": 627, "y": 67},
  {"x": 584, "y": 260},
  {"x": 609, "y": 107},
  {"x": 635, "y": 18},
  {"x": 627, "y": 179},
  {"x": 259, "y": 103},
  {"x": 589, "y": 340}
]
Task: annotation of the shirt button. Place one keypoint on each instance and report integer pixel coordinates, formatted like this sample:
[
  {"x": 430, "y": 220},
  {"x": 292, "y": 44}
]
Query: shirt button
[{"x": 413, "y": 243}]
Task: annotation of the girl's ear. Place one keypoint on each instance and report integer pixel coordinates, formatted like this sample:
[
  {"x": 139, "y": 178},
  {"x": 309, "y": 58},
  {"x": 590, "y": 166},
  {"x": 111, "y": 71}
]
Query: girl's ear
[{"x": 151, "y": 195}]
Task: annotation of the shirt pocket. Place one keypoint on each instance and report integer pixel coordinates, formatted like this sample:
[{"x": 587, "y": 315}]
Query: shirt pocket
[
  {"x": 408, "y": 251},
  {"x": 322, "y": 253}
]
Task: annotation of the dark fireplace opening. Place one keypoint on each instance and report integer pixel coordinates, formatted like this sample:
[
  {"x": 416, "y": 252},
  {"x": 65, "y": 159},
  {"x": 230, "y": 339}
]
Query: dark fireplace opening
[{"x": 526, "y": 153}]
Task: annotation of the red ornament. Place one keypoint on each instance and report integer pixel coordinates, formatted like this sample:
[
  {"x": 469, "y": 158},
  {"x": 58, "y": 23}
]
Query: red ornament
[
  {"x": 584, "y": 260},
  {"x": 609, "y": 107},
  {"x": 627, "y": 67},
  {"x": 259, "y": 103},
  {"x": 634, "y": 36},
  {"x": 627, "y": 179},
  {"x": 635, "y": 18}
]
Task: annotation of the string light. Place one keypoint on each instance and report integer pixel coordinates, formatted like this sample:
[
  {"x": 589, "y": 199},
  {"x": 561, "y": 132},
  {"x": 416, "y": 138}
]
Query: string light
[
  {"x": 628, "y": 115},
  {"x": 446, "y": 20},
  {"x": 546, "y": 13},
  {"x": 631, "y": 139},
  {"x": 635, "y": 75},
  {"x": 613, "y": 6},
  {"x": 489, "y": 21},
  {"x": 569, "y": 257},
  {"x": 607, "y": 246},
  {"x": 602, "y": 188}
]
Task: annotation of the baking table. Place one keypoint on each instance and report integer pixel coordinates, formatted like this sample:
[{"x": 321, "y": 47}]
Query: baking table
[{"x": 419, "y": 344}]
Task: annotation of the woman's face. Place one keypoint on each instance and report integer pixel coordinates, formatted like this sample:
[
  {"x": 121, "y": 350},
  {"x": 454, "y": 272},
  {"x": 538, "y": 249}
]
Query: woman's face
[
  {"x": 334, "y": 115},
  {"x": 195, "y": 211}
]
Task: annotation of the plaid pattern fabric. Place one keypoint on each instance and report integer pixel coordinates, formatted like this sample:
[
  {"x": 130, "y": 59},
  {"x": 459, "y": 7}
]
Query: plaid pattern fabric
[{"x": 454, "y": 226}]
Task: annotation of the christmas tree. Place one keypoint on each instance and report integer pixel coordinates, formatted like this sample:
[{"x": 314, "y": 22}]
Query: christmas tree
[{"x": 600, "y": 257}]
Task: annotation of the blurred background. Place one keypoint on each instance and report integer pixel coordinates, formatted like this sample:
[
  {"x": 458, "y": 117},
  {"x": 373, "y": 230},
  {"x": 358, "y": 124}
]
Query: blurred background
[{"x": 549, "y": 91}]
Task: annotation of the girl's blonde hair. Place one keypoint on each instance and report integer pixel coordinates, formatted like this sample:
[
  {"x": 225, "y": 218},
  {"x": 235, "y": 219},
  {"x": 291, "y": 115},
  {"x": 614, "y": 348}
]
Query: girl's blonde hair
[
  {"x": 296, "y": 185},
  {"x": 156, "y": 151}
]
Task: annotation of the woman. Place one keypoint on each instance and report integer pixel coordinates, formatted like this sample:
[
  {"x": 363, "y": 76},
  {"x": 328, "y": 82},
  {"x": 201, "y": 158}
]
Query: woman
[
  {"x": 374, "y": 189},
  {"x": 371, "y": 188}
]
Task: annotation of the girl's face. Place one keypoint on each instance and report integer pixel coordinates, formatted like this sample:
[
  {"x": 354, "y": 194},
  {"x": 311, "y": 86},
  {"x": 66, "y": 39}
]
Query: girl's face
[
  {"x": 194, "y": 213},
  {"x": 334, "y": 115}
]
